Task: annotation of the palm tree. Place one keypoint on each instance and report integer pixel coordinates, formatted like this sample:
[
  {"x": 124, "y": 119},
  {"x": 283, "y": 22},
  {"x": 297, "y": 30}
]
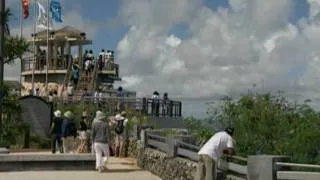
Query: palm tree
[{"x": 15, "y": 46}]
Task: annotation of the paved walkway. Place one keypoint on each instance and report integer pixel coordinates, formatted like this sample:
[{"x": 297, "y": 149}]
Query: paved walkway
[
  {"x": 77, "y": 175},
  {"x": 119, "y": 168}
]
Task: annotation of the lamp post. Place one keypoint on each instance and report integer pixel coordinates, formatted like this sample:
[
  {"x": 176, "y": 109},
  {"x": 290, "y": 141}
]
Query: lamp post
[{"x": 2, "y": 25}]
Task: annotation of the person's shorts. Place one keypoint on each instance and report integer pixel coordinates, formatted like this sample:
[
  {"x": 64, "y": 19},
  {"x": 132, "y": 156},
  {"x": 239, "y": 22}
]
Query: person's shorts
[{"x": 119, "y": 139}]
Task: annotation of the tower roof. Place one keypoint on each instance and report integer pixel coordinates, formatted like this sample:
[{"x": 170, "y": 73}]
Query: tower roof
[{"x": 62, "y": 33}]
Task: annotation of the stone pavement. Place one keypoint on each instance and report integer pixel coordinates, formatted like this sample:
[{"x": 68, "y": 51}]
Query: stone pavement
[
  {"x": 77, "y": 175},
  {"x": 119, "y": 168}
]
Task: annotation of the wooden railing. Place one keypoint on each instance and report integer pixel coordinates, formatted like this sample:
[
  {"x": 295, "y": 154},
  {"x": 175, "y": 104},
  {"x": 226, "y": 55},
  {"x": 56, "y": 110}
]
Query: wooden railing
[{"x": 235, "y": 167}]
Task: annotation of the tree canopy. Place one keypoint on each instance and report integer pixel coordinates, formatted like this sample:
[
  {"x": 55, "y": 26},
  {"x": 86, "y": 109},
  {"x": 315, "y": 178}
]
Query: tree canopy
[
  {"x": 266, "y": 124},
  {"x": 15, "y": 46},
  {"x": 11, "y": 125}
]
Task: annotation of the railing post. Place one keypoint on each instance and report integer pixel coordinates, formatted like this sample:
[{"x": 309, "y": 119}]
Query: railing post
[
  {"x": 172, "y": 146},
  {"x": 262, "y": 167},
  {"x": 136, "y": 132},
  {"x": 144, "y": 106},
  {"x": 171, "y": 108},
  {"x": 144, "y": 138}
]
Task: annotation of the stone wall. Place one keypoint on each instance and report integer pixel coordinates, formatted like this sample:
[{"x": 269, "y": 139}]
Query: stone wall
[{"x": 160, "y": 164}]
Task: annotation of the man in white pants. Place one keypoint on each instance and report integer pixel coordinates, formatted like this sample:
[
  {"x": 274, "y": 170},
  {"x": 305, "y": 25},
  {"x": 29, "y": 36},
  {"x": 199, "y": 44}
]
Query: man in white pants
[{"x": 100, "y": 139}]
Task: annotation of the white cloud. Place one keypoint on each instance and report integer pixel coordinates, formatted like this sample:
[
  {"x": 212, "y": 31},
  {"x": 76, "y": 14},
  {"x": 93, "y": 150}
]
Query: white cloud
[
  {"x": 228, "y": 49},
  {"x": 72, "y": 18}
]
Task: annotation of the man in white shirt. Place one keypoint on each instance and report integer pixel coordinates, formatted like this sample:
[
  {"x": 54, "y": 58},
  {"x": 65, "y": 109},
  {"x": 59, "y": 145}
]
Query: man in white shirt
[{"x": 219, "y": 144}]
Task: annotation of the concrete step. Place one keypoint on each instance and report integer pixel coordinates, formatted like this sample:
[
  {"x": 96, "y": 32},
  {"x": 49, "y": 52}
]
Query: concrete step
[
  {"x": 40, "y": 161},
  {"x": 46, "y": 161}
]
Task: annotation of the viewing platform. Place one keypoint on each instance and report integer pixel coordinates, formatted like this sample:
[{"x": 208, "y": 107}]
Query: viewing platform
[
  {"x": 60, "y": 68},
  {"x": 53, "y": 58}
]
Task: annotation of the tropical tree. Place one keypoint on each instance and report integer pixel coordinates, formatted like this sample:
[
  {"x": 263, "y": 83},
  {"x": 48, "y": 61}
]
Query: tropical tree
[
  {"x": 267, "y": 124},
  {"x": 15, "y": 46}
]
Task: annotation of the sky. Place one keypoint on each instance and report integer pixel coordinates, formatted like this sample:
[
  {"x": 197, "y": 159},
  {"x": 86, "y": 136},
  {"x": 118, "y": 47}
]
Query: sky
[{"x": 201, "y": 48}]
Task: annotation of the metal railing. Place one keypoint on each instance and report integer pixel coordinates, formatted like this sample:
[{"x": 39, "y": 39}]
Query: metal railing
[
  {"x": 146, "y": 106},
  {"x": 62, "y": 64}
]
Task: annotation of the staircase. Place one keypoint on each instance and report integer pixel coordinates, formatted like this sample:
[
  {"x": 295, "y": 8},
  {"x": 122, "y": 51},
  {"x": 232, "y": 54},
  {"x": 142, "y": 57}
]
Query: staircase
[
  {"x": 67, "y": 76},
  {"x": 86, "y": 81}
]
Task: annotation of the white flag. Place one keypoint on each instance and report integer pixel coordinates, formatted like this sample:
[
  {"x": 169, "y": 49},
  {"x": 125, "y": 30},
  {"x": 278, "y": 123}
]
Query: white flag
[{"x": 43, "y": 19}]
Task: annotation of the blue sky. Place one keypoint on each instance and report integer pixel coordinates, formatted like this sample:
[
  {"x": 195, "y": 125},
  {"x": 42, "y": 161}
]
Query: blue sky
[
  {"x": 112, "y": 30},
  {"x": 108, "y": 36}
]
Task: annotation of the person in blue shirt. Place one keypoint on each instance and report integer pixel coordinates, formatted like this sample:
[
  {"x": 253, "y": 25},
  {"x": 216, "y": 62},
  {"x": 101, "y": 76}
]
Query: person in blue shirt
[{"x": 75, "y": 74}]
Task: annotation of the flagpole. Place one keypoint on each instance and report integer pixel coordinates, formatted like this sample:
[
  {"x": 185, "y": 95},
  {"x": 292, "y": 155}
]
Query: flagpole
[
  {"x": 21, "y": 60},
  {"x": 47, "y": 60},
  {"x": 34, "y": 42}
]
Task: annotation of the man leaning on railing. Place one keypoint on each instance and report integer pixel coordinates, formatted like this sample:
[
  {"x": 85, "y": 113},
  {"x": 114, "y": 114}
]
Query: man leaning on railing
[{"x": 219, "y": 144}]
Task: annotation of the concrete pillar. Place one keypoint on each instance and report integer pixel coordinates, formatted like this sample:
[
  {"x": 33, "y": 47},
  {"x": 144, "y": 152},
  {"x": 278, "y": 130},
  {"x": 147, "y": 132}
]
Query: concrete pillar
[
  {"x": 143, "y": 138},
  {"x": 62, "y": 50},
  {"x": 136, "y": 132},
  {"x": 50, "y": 55},
  {"x": 262, "y": 167},
  {"x": 80, "y": 55},
  {"x": 55, "y": 55},
  {"x": 68, "y": 53},
  {"x": 172, "y": 146}
]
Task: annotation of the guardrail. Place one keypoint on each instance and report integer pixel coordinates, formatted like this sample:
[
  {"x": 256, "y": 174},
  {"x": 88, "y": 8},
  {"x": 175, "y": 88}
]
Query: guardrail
[
  {"x": 178, "y": 148},
  {"x": 294, "y": 175},
  {"x": 236, "y": 167}
]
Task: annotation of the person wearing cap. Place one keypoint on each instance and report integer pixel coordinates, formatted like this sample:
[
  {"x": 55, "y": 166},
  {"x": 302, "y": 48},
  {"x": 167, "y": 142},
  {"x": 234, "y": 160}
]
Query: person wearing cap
[
  {"x": 100, "y": 139},
  {"x": 69, "y": 132},
  {"x": 55, "y": 132},
  {"x": 219, "y": 144},
  {"x": 120, "y": 125}
]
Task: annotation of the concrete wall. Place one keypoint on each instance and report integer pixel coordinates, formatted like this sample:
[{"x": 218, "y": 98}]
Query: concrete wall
[
  {"x": 166, "y": 122},
  {"x": 37, "y": 114}
]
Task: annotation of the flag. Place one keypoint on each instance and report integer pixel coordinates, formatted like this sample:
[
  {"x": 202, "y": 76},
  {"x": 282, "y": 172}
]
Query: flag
[
  {"x": 43, "y": 19},
  {"x": 25, "y": 8},
  {"x": 55, "y": 10}
]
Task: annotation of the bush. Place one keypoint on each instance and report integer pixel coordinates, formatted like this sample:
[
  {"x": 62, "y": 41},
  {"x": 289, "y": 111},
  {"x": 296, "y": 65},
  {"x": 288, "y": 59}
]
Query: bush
[
  {"x": 11, "y": 125},
  {"x": 266, "y": 124}
]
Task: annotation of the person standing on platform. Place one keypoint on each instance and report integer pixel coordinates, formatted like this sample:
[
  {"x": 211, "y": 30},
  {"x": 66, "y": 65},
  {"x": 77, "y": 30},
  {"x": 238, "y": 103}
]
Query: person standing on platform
[
  {"x": 100, "y": 139},
  {"x": 69, "y": 132},
  {"x": 55, "y": 132}
]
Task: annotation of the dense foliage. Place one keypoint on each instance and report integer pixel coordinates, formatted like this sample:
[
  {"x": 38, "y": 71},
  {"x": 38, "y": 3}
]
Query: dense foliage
[
  {"x": 266, "y": 124},
  {"x": 11, "y": 125},
  {"x": 14, "y": 46}
]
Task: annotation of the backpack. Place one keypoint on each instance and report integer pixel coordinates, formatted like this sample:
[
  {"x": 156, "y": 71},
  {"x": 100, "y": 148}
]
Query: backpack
[{"x": 119, "y": 126}]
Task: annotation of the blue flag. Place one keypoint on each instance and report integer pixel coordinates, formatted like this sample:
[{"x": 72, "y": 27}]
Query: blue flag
[{"x": 55, "y": 10}]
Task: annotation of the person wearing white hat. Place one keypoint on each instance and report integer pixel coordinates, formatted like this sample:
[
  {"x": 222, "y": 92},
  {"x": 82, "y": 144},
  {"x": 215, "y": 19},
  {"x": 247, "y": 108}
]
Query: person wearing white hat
[
  {"x": 100, "y": 139},
  {"x": 69, "y": 132},
  {"x": 120, "y": 125},
  {"x": 55, "y": 132}
]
